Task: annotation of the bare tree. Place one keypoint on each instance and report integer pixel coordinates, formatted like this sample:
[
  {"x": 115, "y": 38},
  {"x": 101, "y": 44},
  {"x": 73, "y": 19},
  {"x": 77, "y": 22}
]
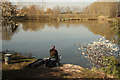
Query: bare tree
[
  {"x": 56, "y": 10},
  {"x": 49, "y": 11}
]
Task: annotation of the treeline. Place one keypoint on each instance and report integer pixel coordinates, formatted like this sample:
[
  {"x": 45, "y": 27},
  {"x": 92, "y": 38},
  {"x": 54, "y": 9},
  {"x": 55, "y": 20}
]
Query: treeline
[
  {"x": 10, "y": 11},
  {"x": 109, "y": 9},
  {"x": 37, "y": 9}
]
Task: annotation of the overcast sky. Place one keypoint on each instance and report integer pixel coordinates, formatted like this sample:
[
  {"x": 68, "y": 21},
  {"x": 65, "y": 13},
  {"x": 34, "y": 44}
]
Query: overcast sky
[
  {"x": 52, "y": 3},
  {"x": 52, "y": 0},
  {"x": 63, "y": 0}
]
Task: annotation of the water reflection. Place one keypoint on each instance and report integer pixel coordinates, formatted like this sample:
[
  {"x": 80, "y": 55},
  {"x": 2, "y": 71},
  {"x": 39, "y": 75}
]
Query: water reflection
[
  {"x": 33, "y": 25},
  {"x": 104, "y": 29},
  {"x": 9, "y": 29},
  {"x": 97, "y": 27}
]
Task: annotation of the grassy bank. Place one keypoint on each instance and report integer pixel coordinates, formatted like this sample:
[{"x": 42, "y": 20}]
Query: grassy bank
[
  {"x": 59, "y": 16},
  {"x": 17, "y": 70},
  {"x": 67, "y": 17}
]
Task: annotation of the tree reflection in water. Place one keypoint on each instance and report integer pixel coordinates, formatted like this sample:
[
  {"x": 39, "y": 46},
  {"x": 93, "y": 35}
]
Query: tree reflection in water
[
  {"x": 104, "y": 29},
  {"x": 8, "y": 29},
  {"x": 97, "y": 27}
]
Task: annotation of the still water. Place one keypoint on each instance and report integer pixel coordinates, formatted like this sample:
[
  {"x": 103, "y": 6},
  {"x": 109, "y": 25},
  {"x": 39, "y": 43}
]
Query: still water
[{"x": 37, "y": 37}]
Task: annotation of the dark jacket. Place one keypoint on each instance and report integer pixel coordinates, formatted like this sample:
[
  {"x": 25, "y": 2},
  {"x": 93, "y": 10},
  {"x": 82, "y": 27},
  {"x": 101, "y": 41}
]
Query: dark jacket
[{"x": 53, "y": 53}]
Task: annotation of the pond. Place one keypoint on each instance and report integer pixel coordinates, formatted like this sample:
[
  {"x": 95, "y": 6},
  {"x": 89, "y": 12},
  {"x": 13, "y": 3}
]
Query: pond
[{"x": 37, "y": 37}]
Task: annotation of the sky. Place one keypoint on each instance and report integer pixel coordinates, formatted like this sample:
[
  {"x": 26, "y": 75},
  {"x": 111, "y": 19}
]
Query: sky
[
  {"x": 52, "y": 0},
  {"x": 53, "y": 3},
  {"x": 63, "y": 0}
]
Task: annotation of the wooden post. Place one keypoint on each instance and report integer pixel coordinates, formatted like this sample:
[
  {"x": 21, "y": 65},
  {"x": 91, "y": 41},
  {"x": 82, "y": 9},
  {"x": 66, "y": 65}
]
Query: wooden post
[{"x": 7, "y": 58}]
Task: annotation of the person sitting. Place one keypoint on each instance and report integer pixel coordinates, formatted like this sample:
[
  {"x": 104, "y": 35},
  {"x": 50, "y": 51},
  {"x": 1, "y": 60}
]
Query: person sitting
[
  {"x": 53, "y": 58},
  {"x": 53, "y": 53}
]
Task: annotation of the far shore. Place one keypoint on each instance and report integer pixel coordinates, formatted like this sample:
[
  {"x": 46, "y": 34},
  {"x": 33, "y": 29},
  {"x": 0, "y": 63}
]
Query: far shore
[{"x": 65, "y": 17}]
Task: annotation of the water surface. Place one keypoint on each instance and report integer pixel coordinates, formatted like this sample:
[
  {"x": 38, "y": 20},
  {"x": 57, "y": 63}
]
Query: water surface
[{"x": 37, "y": 37}]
